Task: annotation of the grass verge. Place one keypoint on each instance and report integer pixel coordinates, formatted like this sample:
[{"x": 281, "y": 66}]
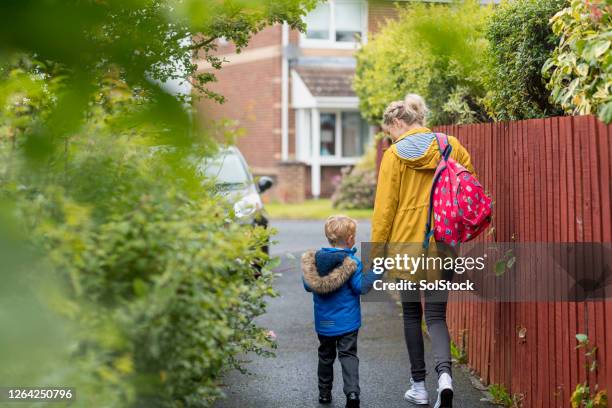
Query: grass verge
[{"x": 312, "y": 210}]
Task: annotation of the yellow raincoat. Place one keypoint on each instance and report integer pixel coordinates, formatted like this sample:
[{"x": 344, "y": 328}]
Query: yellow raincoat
[{"x": 404, "y": 186}]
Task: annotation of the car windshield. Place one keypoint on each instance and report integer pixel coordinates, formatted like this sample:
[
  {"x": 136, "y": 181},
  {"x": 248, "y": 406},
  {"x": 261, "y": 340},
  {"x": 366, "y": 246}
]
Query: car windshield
[{"x": 227, "y": 170}]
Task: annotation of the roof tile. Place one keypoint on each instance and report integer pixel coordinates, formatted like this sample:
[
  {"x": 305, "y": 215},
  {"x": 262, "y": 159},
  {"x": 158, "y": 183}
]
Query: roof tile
[{"x": 328, "y": 81}]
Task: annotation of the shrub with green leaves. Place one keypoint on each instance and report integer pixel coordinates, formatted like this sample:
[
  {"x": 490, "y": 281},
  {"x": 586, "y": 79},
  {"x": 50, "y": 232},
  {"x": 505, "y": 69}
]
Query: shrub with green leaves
[
  {"x": 520, "y": 41},
  {"x": 436, "y": 51},
  {"x": 125, "y": 275},
  {"x": 158, "y": 285},
  {"x": 579, "y": 71},
  {"x": 357, "y": 189}
]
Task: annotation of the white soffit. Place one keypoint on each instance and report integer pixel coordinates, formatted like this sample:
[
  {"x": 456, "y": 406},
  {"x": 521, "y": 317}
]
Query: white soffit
[{"x": 301, "y": 98}]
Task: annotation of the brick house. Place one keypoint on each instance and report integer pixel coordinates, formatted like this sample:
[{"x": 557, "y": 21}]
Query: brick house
[{"x": 292, "y": 93}]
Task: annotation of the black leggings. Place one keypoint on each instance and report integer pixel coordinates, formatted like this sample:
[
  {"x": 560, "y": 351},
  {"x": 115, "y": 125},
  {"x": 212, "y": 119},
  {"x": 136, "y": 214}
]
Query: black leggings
[{"x": 435, "y": 318}]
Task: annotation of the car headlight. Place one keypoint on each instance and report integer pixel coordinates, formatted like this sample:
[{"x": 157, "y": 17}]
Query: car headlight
[{"x": 247, "y": 205}]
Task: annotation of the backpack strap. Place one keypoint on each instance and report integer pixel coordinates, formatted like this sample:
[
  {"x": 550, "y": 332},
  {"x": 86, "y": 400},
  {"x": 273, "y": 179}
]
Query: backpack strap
[
  {"x": 444, "y": 146},
  {"x": 445, "y": 151}
]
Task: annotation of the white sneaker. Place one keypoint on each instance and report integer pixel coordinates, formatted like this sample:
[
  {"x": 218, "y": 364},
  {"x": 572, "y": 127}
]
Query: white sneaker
[
  {"x": 445, "y": 392},
  {"x": 417, "y": 394}
]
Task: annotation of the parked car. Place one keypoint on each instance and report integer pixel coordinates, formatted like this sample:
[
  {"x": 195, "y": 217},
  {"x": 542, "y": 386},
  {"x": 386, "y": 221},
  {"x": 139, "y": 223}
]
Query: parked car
[{"x": 234, "y": 180}]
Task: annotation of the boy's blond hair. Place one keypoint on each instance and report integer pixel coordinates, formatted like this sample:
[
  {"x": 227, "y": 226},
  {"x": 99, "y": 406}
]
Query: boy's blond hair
[{"x": 338, "y": 228}]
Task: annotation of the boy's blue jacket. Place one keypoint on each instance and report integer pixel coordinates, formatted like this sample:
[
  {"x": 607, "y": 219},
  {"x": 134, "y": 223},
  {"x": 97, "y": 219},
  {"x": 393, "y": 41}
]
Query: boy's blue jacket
[{"x": 334, "y": 276}]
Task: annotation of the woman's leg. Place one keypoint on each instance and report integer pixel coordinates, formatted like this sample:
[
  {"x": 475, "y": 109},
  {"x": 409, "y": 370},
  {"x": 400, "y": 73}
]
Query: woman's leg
[
  {"x": 435, "y": 318},
  {"x": 413, "y": 312}
]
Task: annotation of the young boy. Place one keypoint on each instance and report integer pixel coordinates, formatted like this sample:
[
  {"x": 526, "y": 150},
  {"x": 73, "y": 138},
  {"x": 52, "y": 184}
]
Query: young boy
[{"x": 334, "y": 275}]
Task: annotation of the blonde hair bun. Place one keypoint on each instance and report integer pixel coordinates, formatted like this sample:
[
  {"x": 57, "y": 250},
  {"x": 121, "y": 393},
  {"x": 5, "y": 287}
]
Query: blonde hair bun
[
  {"x": 411, "y": 110},
  {"x": 416, "y": 108}
]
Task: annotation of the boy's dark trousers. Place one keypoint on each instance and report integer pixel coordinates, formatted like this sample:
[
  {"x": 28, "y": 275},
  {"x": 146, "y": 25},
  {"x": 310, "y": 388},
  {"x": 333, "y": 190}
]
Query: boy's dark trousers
[{"x": 346, "y": 345}]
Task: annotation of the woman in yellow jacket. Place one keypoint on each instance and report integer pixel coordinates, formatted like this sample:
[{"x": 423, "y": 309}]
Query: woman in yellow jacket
[{"x": 400, "y": 216}]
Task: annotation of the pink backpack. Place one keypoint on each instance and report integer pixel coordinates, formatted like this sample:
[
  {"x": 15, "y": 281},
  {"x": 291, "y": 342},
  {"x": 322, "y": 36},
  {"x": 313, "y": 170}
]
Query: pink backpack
[{"x": 461, "y": 209}]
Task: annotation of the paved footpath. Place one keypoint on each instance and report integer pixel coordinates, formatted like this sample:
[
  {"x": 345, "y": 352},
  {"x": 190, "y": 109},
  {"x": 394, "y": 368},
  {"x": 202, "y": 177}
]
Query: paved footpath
[{"x": 289, "y": 380}]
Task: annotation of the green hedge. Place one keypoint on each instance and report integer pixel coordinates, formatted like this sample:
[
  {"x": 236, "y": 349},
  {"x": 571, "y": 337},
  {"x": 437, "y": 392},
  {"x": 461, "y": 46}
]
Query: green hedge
[
  {"x": 125, "y": 275},
  {"x": 520, "y": 41},
  {"x": 471, "y": 63},
  {"x": 436, "y": 51},
  {"x": 160, "y": 287}
]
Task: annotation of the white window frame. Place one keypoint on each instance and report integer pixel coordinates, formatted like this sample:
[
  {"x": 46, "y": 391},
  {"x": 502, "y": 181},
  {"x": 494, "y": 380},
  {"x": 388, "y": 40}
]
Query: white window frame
[{"x": 331, "y": 42}]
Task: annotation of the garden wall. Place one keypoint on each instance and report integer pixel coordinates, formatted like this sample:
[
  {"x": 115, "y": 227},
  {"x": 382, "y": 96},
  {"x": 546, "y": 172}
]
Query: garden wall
[{"x": 550, "y": 180}]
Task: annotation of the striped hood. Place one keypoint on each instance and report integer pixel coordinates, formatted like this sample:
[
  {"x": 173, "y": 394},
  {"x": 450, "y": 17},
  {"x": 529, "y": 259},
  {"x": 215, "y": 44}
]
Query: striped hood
[{"x": 418, "y": 149}]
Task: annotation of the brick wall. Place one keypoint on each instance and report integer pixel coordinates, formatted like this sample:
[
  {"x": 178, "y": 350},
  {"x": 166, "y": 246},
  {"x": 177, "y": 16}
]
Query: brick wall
[
  {"x": 252, "y": 91},
  {"x": 378, "y": 12},
  {"x": 329, "y": 177},
  {"x": 292, "y": 124},
  {"x": 291, "y": 183},
  {"x": 268, "y": 36}
]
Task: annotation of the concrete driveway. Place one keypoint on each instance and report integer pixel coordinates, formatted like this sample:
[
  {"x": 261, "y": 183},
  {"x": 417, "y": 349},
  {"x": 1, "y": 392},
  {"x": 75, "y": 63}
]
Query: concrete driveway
[{"x": 290, "y": 379}]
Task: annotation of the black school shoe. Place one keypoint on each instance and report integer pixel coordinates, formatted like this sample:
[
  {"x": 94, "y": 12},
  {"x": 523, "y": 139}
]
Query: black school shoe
[
  {"x": 352, "y": 400},
  {"x": 325, "y": 398}
]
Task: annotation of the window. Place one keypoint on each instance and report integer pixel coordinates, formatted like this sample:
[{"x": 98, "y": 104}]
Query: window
[
  {"x": 348, "y": 22},
  {"x": 328, "y": 134},
  {"x": 318, "y": 23},
  {"x": 343, "y": 134},
  {"x": 355, "y": 134},
  {"x": 336, "y": 23}
]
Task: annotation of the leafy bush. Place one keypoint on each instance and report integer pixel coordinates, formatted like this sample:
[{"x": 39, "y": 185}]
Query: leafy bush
[
  {"x": 357, "y": 189},
  {"x": 433, "y": 50},
  {"x": 520, "y": 41},
  {"x": 123, "y": 275},
  {"x": 129, "y": 282},
  {"x": 580, "y": 69},
  {"x": 160, "y": 286}
]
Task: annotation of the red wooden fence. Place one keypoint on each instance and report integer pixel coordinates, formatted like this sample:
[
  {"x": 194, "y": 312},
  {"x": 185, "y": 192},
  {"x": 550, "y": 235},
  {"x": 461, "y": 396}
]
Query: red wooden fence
[{"x": 550, "y": 179}]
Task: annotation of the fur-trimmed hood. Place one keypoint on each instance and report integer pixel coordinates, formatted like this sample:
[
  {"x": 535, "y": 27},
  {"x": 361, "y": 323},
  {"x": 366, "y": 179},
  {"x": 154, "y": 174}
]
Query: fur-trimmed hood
[{"x": 330, "y": 282}]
